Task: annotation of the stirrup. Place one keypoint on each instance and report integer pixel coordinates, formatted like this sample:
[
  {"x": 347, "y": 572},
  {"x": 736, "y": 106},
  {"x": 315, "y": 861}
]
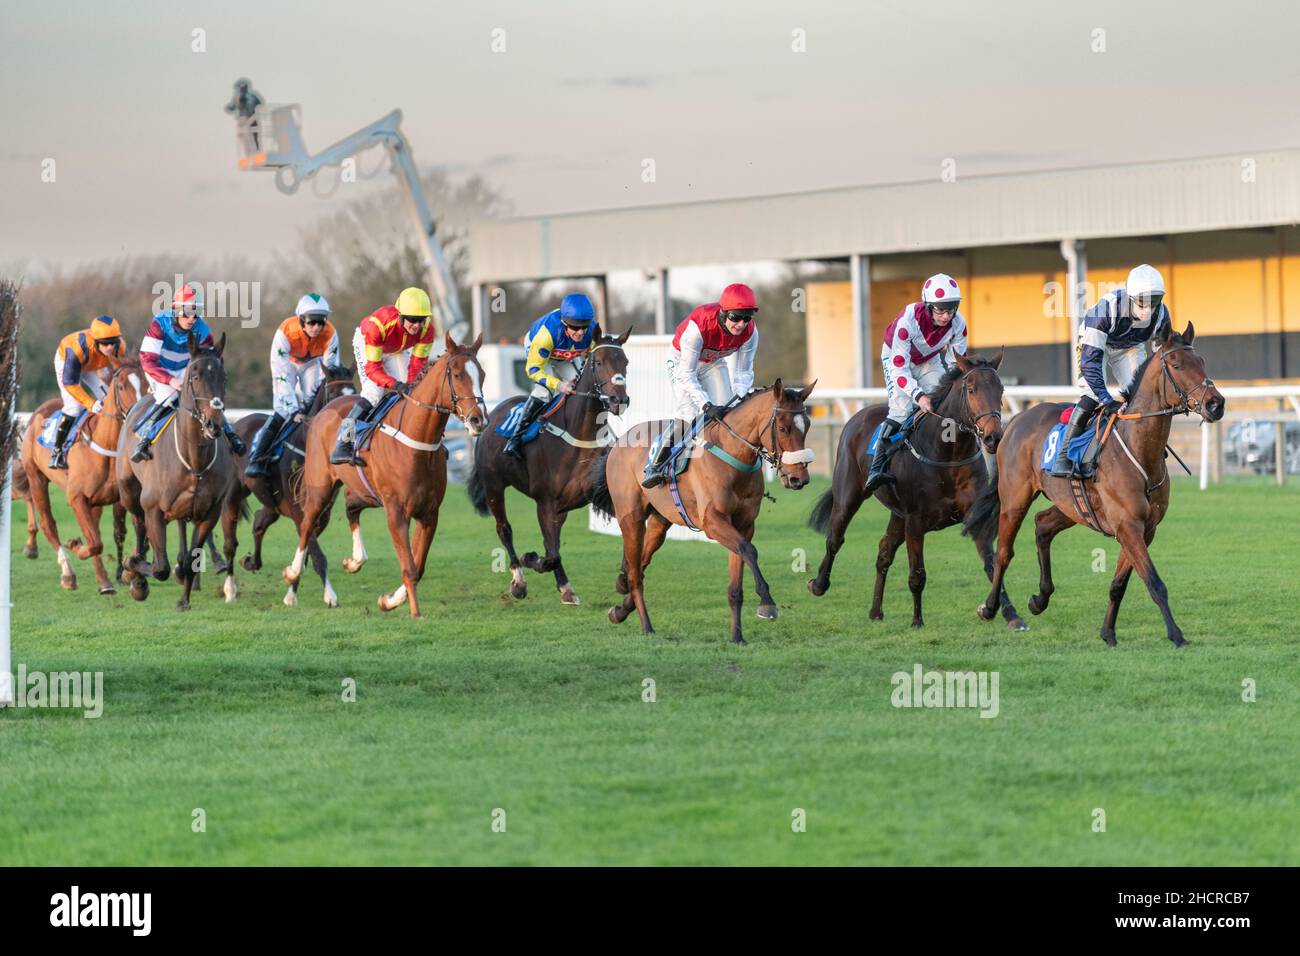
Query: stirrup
[
  {"x": 142, "y": 452},
  {"x": 653, "y": 480},
  {"x": 58, "y": 461}
]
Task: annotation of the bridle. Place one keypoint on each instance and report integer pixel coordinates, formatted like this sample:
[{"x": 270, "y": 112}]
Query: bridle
[
  {"x": 450, "y": 385},
  {"x": 211, "y": 430},
  {"x": 974, "y": 427},
  {"x": 1184, "y": 406},
  {"x": 618, "y": 379},
  {"x": 772, "y": 458}
]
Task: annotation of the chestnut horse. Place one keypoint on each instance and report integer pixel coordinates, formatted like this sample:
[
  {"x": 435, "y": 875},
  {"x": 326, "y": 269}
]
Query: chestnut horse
[
  {"x": 276, "y": 491},
  {"x": 1125, "y": 501},
  {"x": 187, "y": 479},
  {"x": 406, "y": 466},
  {"x": 556, "y": 470},
  {"x": 720, "y": 492},
  {"x": 88, "y": 480},
  {"x": 938, "y": 475}
]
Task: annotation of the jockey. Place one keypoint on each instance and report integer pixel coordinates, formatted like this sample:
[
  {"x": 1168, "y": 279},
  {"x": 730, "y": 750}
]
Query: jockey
[
  {"x": 554, "y": 344},
  {"x": 165, "y": 355},
  {"x": 701, "y": 381},
  {"x": 304, "y": 345},
  {"x": 392, "y": 346},
  {"x": 918, "y": 347},
  {"x": 79, "y": 362},
  {"x": 1116, "y": 333}
]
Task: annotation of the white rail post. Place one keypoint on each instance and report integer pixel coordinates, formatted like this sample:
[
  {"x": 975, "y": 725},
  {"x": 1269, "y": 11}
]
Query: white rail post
[{"x": 1205, "y": 455}]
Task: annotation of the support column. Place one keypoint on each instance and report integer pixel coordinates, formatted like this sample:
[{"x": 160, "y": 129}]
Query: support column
[
  {"x": 602, "y": 301},
  {"x": 1075, "y": 253},
  {"x": 481, "y": 321},
  {"x": 663, "y": 302},
  {"x": 860, "y": 274}
]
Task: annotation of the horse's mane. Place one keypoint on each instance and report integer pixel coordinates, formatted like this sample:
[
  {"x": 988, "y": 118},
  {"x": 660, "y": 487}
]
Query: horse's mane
[
  {"x": 326, "y": 379},
  {"x": 1130, "y": 387},
  {"x": 952, "y": 374}
]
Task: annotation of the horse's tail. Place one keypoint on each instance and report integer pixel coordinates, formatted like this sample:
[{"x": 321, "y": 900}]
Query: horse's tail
[
  {"x": 477, "y": 491},
  {"x": 820, "y": 517},
  {"x": 982, "y": 519},
  {"x": 601, "y": 500}
]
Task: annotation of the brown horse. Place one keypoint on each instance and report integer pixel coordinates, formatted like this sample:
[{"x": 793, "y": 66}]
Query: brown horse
[
  {"x": 720, "y": 492},
  {"x": 276, "y": 492},
  {"x": 938, "y": 475},
  {"x": 1125, "y": 501},
  {"x": 406, "y": 466},
  {"x": 187, "y": 479},
  {"x": 88, "y": 481},
  {"x": 556, "y": 471}
]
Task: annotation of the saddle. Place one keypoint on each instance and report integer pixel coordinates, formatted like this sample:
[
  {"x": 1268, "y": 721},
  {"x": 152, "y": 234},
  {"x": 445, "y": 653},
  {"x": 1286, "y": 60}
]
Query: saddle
[
  {"x": 1084, "y": 448},
  {"x": 678, "y": 461},
  {"x": 896, "y": 439},
  {"x": 46, "y": 438},
  {"x": 153, "y": 427},
  {"x": 507, "y": 426},
  {"x": 367, "y": 422}
]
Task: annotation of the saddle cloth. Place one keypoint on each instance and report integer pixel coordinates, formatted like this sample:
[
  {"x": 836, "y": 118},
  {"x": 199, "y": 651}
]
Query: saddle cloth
[{"x": 46, "y": 438}]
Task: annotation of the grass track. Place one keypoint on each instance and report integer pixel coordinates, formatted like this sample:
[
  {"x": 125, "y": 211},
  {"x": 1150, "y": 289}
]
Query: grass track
[{"x": 536, "y": 708}]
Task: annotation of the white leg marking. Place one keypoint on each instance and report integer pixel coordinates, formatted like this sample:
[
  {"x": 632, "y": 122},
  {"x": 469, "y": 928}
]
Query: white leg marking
[
  {"x": 231, "y": 589},
  {"x": 291, "y": 598},
  {"x": 331, "y": 598},
  {"x": 517, "y": 574}
]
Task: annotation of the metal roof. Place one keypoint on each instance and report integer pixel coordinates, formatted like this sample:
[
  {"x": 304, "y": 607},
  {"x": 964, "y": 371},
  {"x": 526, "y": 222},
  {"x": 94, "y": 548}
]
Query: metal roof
[{"x": 1189, "y": 195}]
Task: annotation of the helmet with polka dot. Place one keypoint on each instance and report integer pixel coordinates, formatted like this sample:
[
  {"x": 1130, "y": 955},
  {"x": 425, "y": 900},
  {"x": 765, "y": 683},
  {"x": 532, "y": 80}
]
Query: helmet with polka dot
[{"x": 940, "y": 287}]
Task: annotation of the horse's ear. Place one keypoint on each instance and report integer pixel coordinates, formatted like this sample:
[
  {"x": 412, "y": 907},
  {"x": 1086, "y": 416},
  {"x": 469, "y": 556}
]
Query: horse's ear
[
  {"x": 622, "y": 339},
  {"x": 451, "y": 343},
  {"x": 997, "y": 359},
  {"x": 597, "y": 333},
  {"x": 1167, "y": 333},
  {"x": 778, "y": 389},
  {"x": 192, "y": 341},
  {"x": 1189, "y": 333},
  {"x": 478, "y": 341},
  {"x": 806, "y": 391},
  {"x": 221, "y": 343},
  {"x": 962, "y": 362}
]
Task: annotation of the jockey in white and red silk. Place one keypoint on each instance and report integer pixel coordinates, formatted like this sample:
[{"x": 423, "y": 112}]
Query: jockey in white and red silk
[
  {"x": 165, "y": 355},
  {"x": 697, "y": 367},
  {"x": 918, "y": 348}
]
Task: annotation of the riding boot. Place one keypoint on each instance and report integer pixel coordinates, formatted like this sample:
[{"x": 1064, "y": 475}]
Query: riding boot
[
  {"x": 532, "y": 408},
  {"x": 259, "y": 460},
  {"x": 145, "y": 425},
  {"x": 59, "y": 459},
  {"x": 878, "y": 476},
  {"x": 237, "y": 446},
  {"x": 345, "y": 446},
  {"x": 1062, "y": 467},
  {"x": 654, "y": 471}
]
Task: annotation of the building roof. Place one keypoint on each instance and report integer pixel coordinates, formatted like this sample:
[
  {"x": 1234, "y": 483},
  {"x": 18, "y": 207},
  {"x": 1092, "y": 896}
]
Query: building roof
[{"x": 1191, "y": 195}]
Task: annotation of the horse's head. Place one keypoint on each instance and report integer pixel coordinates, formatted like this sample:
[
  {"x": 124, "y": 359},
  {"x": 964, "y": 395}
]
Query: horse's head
[
  {"x": 336, "y": 382},
  {"x": 204, "y": 393},
  {"x": 785, "y": 438},
  {"x": 124, "y": 388},
  {"x": 609, "y": 369},
  {"x": 458, "y": 386},
  {"x": 1184, "y": 383},
  {"x": 974, "y": 397}
]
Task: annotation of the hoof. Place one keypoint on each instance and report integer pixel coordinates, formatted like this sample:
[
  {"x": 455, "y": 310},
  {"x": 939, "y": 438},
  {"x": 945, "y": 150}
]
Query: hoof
[
  {"x": 249, "y": 564},
  {"x": 291, "y": 599},
  {"x": 568, "y": 597},
  {"x": 289, "y": 577},
  {"x": 985, "y": 613},
  {"x": 1036, "y": 606},
  {"x": 107, "y": 589},
  {"x": 875, "y": 615},
  {"x": 767, "y": 612},
  {"x": 1108, "y": 637},
  {"x": 30, "y": 552},
  {"x": 68, "y": 582},
  {"x": 917, "y": 622},
  {"x": 518, "y": 589},
  {"x": 231, "y": 590},
  {"x": 1178, "y": 641},
  {"x": 620, "y": 584},
  {"x": 737, "y": 639},
  {"x": 1016, "y": 624},
  {"x": 331, "y": 600},
  {"x": 140, "y": 588},
  {"x": 617, "y": 614},
  {"x": 182, "y": 605},
  {"x": 352, "y": 565},
  {"x": 816, "y": 589},
  {"x": 72, "y": 544}
]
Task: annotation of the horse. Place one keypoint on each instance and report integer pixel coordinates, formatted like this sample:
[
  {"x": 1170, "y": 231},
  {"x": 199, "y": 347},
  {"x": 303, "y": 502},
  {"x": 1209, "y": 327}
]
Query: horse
[
  {"x": 276, "y": 493},
  {"x": 187, "y": 480},
  {"x": 1122, "y": 501},
  {"x": 87, "y": 481},
  {"x": 935, "y": 485},
  {"x": 556, "y": 471},
  {"x": 406, "y": 466},
  {"x": 722, "y": 490}
]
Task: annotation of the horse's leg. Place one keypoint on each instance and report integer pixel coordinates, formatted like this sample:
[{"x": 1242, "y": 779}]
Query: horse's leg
[
  {"x": 1134, "y": 541},
  {"x": 889, "y": 543},
  {"x": 914, "y": 529},
  {"x": 1015, "y": 505},
  {"x": 843, "y": 507},
  {"x": 185, "y": 559},
  {"x": 229, "y": 542},
  {"x": 656, "y": 532},
  {"x": 219, "y": 564},
  {"x": 399, "y": 528},
  {"x": 632, "y": 525},
  {"x": 264, "y": 518},
  {"x": 30, "y": 550},
  {"x": 199, "y": 540},
  {"x": 106, "y": 585},
  {"x": 1047, "y": 525},
  {"x": 1118, "y": 585},
  {"x": 39, "y": 489},
  {"x": 322, "y": 568},
  {"x": 551, "y": 521},
  {"x": 119, "y": 536},
  {"x": 358, "y": 557},
  {"x": 157, "y": 528},
  {"x": 90, "y": 544},
  {"x": 984, "y": 547},
  {"x": 317, "y": 502},
  {"x": 496, "y": 502},
  {"x": 719, "y": 527},
  {"x": 736, "y": 594}
]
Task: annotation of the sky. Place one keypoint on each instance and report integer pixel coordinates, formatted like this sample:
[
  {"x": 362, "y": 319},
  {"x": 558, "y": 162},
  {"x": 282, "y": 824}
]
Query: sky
[{"x": 716, "y": 93}]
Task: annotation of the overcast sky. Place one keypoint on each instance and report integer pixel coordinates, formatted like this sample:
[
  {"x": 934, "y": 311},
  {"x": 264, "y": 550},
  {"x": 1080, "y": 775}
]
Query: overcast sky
[{"x": 587, "y": 89}]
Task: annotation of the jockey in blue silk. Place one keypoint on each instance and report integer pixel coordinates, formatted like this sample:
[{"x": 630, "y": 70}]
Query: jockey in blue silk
[
  {"x": 556, "y": 345},
  {"x": 1117, "y": 336}
]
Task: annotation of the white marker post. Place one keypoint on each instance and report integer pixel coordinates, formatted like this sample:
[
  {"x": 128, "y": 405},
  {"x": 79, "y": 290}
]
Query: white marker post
[{"x": 6, "y": 593}]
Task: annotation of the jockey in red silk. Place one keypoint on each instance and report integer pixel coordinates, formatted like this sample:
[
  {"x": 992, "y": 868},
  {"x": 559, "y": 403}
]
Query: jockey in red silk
[
  {"x": 917, "y": 351},
  {"x": 701, "y": 380}
]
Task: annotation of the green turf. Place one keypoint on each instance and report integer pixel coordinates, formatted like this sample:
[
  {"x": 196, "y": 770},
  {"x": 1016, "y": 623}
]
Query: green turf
[{"x": 536, "y": 708}]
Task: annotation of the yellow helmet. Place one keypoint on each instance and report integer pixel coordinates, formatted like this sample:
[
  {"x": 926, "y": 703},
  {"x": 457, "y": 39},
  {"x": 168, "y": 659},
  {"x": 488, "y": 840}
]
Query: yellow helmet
[
  {"x": 414, "y": 301},
  {"x": 105, "y": 329}
]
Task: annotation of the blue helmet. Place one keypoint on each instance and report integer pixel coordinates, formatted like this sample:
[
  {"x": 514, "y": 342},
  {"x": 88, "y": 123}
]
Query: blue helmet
[{"x": 576, "y": 310}]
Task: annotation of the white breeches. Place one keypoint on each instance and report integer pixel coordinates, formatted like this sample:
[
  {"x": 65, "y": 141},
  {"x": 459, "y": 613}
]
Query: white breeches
[
  {"x": 395, "y": 365},
  {"x": 92, "y": 382},
  {"x": 294, "y": 384},
  {"x": 927, "y": 375},
  {"x": 563, "y": 370},
  {"x": 713, "y": 377},
  {"x": 1119, "y": 366}
]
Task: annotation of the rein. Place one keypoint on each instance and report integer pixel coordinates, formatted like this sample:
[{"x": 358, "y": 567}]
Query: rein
[
  {"x": 606, "y": 400},
  {"x": 972, "y": 429}
]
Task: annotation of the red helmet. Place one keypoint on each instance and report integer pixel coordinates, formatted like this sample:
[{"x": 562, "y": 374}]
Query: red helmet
[
  {"x": 738, "y": 296},
  {"x": 189, "y": 295}
]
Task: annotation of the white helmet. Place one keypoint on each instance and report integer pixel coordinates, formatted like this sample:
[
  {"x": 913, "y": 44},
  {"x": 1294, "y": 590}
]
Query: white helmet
[
  {"x": 1144, "y": 280},
  {"x": 312, "y": 304},
  {"x": 940, "y": 288}
]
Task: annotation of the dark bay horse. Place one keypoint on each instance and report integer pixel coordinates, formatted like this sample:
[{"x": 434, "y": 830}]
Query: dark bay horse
[
  {"x": 556, "y": 470},
  {"x": 276, "y": 492},
  {"x": 1126, "y": 499},
  {"x": 406, "y": 466},
  {"x": 88, "y": 481},
  {"x": 926, "y": 495},
  {"x": 720, "y": 496},
  {"x": 187, "y": 479}
]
